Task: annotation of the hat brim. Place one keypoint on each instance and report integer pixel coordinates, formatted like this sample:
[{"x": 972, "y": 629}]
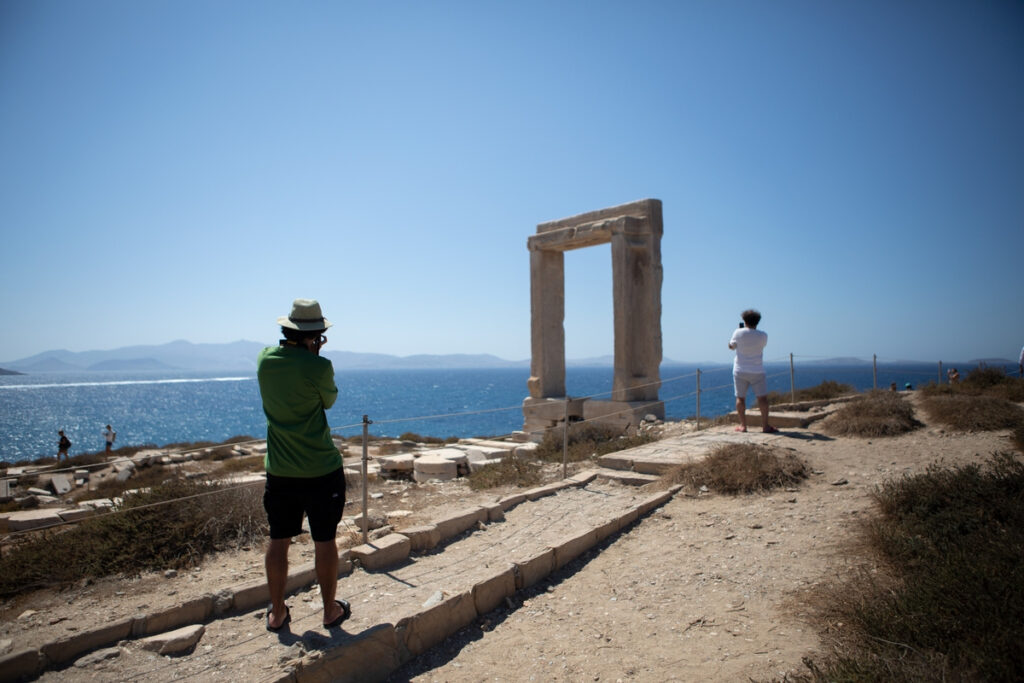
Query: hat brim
[{"x": 303, "y": 325}]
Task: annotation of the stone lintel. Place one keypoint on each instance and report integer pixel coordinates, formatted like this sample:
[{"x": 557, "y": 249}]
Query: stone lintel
[{"x": 644, "y": 208}]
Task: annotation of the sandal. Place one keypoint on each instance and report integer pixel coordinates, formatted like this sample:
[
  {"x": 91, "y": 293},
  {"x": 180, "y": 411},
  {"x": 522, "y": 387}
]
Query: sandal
[
  {"x": 287, "y": 619},
  {"x": 346, "y": 612}
]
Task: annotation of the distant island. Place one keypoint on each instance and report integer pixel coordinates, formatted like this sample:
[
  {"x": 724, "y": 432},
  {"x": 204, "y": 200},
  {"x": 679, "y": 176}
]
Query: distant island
[{"x": 10, "y": 372}]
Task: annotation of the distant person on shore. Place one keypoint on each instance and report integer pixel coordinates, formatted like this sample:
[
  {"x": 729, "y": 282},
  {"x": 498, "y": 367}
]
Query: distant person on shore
[
  {"x": 954, "y": 375},
  {"x": 109, "y": 435},
  {"x": 63, "y": 445},
  {"x": 748, "y": 369},
  {"x": 892, "y": 387},
  {"x": 304, "y": 468},
  {"x": 1020, "y": 363}
]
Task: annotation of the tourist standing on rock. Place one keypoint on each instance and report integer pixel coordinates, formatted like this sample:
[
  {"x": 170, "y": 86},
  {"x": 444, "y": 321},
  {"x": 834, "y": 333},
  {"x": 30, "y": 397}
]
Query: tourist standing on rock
[
  {"x": 63, "y": 445},
  {"x": 1020, "y": 363},
  {"x": 109, "y": 434},
  {"x": 304, "y": 468},
  {"x": 748, "y": 368}
]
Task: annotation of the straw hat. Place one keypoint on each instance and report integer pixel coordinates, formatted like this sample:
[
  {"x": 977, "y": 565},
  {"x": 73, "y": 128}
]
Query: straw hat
[{"x": 305, "y": 316}]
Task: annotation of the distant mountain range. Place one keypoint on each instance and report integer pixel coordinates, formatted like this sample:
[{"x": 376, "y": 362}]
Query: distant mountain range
[{"x": 240, "y": 356}]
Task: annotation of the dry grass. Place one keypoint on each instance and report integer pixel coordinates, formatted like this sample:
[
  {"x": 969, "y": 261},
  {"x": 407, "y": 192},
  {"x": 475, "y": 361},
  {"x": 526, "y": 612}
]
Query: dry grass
[
  {"x": 173, "y": 525},
  {"x": 826, "y": 390},
  {"x": 509, "y": 472},
  {"x": 878, "y": 413},
  {"x": 740, "y": 468},
  {"x": 586, "y": 441},
  {"x": 973, "y": 412},
  {"x": 941, "y": 594}
]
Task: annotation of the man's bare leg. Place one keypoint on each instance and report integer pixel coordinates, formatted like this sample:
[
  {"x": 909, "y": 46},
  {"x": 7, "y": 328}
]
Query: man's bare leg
[
  {"x": 741, "y": 409},
  {"x": 762, "y": 404},
  {"x": 326, "y": 562},
  {"x": 276, "y": 563}
]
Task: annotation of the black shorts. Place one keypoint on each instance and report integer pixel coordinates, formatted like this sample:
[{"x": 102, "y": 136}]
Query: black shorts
[{"x": 322, "y": 499}]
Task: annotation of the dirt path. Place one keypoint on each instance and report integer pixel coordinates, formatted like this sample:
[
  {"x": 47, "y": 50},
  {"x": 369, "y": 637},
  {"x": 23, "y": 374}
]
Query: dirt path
[{"x": 704, "y": 588}]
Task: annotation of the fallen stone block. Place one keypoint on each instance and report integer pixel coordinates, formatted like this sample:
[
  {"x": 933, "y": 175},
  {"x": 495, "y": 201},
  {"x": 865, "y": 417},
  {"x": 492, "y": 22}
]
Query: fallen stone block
[
  {"x": 36, "y": 491},
  {"x": 97, "y": 657},
  {"x": 421, "y": 538},
  {"x": 72, "y": 647},
  {"x": 75, "y": 514},
  {"x": 490, "y": 593},
  {"x": 32, "y": 519},
  {"x": 429, "y": 467},
  {"x": 583, "y": 478},
  {"x": 385, "y": 552},
  {"x": 125, "y": 475},
  {"x": 173, "y": 642},
  {"x": 530, "y": 570},
  {"x": 475, "y": 465},
  {"x": 526, "y": 450},
  {"x": 5, "y": 489},
  {"x": 458, "y": 522},
  {"x": 427, "y": 628},
  {"x": 570, "y": 548},
  {"x": 366, "y": 657}
]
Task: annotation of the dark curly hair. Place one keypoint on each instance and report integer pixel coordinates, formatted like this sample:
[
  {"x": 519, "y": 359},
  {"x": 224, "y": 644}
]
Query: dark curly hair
[{"x": 751, "y": 317}]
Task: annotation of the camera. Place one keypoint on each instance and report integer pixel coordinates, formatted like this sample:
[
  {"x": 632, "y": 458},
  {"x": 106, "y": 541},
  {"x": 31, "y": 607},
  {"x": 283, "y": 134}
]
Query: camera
[{"x": 741, "y": 326}]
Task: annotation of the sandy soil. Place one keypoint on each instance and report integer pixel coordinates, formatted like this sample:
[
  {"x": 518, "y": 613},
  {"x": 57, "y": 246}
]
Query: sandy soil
[{"x": 708, "y": 587}]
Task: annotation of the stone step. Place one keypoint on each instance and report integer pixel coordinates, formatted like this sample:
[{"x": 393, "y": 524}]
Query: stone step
[{"x": 469, "y": 562}]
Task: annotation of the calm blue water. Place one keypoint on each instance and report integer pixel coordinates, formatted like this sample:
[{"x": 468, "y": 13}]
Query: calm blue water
[{"x": 185, "y": 407}]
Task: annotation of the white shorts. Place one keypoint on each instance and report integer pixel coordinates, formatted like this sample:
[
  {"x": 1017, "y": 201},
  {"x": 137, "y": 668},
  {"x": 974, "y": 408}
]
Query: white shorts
[{"x": 747, "y": 380}]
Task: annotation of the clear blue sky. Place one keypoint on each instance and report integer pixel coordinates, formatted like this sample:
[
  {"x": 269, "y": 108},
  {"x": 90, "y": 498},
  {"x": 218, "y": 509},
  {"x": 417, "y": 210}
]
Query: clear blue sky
[{"x": 183, "y": 170}]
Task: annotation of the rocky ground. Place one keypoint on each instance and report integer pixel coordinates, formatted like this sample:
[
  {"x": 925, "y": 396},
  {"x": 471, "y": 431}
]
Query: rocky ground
[{"x": 707, "y": 587}]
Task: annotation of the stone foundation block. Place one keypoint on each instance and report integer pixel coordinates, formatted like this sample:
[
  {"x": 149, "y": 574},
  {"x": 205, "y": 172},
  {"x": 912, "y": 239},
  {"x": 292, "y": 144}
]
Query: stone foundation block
[
  {"x": 431, "y": 626},
  {"x": 384, "y": 552},
  {"x": 458, "y": 522},
  {"x": 363, "y": 658},
  {"x": 423, "y": 537},
  {"x": 574, "y": 546},
  {"x": 490, "y": 593},
  {"x": 32, "y": 519},
  {"x": 16, "y": 666},
  {"x": 509, "y": 502},
  {"x": 542, "y": 491},
  {"x": 192, "y": 612},
  {"x": 607, "y": 529},
  {"x": 70, "y": 648},
  {"x": 251, "y": 594},
  {"x": 582, "y": 478},
  {"x": 653, "y": 501},
  {"x": 529, "y": 571},
  {"x": 628, "y": 517},
  {"x": 494, "y": 512},
  {"x": 75, "y": 514}
]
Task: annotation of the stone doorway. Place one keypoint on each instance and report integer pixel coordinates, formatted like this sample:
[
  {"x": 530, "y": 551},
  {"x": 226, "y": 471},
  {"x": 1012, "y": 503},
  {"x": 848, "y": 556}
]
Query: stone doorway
[{"x": 634, "y": 231}]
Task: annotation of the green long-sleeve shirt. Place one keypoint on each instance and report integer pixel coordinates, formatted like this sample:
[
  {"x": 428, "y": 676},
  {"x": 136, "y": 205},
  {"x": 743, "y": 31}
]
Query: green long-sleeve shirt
[{"x": 297, "y": 387}]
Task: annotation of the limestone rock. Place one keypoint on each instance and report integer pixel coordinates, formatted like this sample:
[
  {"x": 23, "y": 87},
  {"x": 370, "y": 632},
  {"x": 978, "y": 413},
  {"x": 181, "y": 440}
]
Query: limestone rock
[{"x": 179, "y": 640}]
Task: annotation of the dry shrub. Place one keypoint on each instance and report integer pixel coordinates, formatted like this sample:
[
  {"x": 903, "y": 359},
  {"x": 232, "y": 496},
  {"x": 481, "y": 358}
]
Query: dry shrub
[
  {"x": 174, "y": 525},
  {"x": 826, "y": 390},
  {"x": 973, "y": 413},
  {"x": 945, "y": 601},
  {"x": 878, "y": 413},
  {"x": 509, "y": 472},
  {"x": 587, "y": 440},
  {"x": 740, "y": 468}
]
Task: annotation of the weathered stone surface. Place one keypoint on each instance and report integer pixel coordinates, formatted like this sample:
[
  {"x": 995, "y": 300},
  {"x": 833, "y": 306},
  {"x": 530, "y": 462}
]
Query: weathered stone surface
[
  {"x": 32, "y": 519},
  {"x": 173, "y": 642},
  {"x": 530, "y": 570},
  {"x": 70, "y": 648},
  {"x": 427, "y": 628},
  {"x": 61, "y": 483},
  {"x": 429, "y": 467},
  {"x": 570, "y": 548},
  {"x": 541, "y": 491},
  {"x": 654, "y": 501},
  {"x": 20, "y": 664},
  {"x": 363, "y": 658},
  {"x": 251, "y": 594},
  {"x": 457, "y": 522},
  {"x": 510, "y": 501},
  {"x": 75, "y": 514},
  {"x": 423, "y": 537},
  {"x": 384, "y": 552},
  {"x": 495, "y": 513},
  {"x": 191, "y": 612},
  {"x": 489, "y": 593}
]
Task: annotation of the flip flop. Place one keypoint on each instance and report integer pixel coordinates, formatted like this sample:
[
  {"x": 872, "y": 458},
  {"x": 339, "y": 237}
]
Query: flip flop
[
  {"x": 739, "y": 429},
  {"x": 287, "y": 619},
  {"x": 346, "y": 612},
  {"x": 770, "y": 430}
]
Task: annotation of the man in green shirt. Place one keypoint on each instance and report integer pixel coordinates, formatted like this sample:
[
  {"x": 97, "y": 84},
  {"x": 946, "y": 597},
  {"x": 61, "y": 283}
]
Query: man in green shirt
[{"x": 304, "y": 468}]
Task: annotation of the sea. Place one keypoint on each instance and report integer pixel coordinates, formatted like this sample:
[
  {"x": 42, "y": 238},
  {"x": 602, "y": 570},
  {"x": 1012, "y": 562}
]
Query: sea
[{"x": 186, "y": 407}]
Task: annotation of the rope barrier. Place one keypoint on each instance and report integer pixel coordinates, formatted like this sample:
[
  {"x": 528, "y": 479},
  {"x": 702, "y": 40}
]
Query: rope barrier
[{"x": 235, "y": 444}]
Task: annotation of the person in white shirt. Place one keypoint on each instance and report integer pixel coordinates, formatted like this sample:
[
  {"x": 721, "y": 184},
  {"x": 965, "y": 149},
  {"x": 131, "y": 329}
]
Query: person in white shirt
[
  {"x": 109, "y": 435},
  {"x": 748, "y": 369}
]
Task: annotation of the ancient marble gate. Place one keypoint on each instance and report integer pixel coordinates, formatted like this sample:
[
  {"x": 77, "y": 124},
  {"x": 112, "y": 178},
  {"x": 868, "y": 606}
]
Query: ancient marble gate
[{"x": 634, "y": 231}]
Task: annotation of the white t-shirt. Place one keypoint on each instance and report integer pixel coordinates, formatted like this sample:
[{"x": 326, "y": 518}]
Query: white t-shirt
[{"x": 749, "y": 345}]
